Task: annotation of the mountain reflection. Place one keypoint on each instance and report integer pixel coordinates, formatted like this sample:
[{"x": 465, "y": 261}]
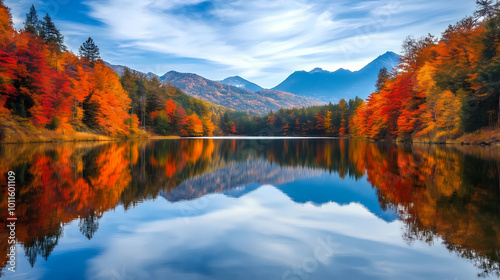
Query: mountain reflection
[{"x": 440, "y": 193}]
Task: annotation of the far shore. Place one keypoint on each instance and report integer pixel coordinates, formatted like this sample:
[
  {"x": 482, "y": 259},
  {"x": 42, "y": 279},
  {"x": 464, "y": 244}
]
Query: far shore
[{"x": 476, "y": 139}]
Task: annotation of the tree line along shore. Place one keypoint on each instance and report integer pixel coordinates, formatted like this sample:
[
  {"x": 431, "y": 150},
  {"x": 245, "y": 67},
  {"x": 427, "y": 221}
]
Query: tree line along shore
[{"x": 444, "y": 90}]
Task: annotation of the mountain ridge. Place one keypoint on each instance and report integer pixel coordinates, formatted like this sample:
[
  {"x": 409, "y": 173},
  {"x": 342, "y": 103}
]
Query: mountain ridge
[
  {"x": 300, "y": 89},
  {"x": 237, "y": 98},
  {"x": 329, "y": 86},
  {"x": 241, "y": 99},
  {"x": 288, "y": 180}
]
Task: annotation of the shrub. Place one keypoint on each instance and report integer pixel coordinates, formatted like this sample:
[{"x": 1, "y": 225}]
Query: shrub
[
  {"x": 161, "y": 124},
  {"x": 54, "y": 124}
]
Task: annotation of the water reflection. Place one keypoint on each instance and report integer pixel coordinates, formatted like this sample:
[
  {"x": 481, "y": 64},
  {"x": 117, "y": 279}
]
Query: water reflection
[{"x": 440, "y": 194}]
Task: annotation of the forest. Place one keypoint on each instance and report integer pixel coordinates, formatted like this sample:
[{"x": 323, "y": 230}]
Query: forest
[
  {"x": 444, "y": 88},
  {"x": 327, "y": 120},
  {"x": 43, "y": 86}
]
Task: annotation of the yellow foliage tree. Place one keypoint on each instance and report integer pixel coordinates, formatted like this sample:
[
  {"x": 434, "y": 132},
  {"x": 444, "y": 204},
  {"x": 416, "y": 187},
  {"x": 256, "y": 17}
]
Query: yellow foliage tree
[{"x": 448, "y": 112}]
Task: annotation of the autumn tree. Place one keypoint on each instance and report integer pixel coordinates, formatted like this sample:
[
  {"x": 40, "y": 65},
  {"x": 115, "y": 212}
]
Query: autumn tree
[
  {"x": 329, "y": 128},
  {"x": 427, "y": 86},
  {"x": 182, "y": 121},
  {"x": 447, "y": 112},
  {"x": 171, "y": 112},
  {"x": 111, "y": 100},
  {"x": 193, "y": 126},
  {"x": 33, "y": 81},
  {"x": 43, "y": 82},
  {"x": 208, "y": 126},
  {"x": 8, "y": 58},
  {"x": 82, "y": 86}
]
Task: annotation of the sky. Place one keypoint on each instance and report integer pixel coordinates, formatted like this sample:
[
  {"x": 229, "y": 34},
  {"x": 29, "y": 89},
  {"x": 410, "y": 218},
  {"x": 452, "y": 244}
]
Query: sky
[{"x": 262, "y": 41}]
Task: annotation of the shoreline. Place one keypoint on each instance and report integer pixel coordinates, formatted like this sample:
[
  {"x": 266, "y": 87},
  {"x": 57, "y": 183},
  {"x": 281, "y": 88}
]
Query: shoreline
[
  {"x": 82, "y": 137},
  {"x": 16, "y": 132},
  {"x": 91, "y": 137}
]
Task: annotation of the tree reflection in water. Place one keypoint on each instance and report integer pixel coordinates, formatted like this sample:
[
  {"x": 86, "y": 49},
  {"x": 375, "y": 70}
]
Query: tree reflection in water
[{"x": 440, "y": 193}]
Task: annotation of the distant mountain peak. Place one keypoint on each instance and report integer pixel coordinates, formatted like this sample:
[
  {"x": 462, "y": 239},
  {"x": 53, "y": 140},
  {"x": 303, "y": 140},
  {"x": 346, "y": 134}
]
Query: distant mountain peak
[
  {"x": 120, "y": 69},
  {"x": 343, "y": 70},
  {"x": 390, "y": 53},
  {"x": 240, "y": 82},
  {"x": 173, "y": 72},
  {"x": 318, "y": 70},
  {"x": 332, "y": 86},
  {"x": 387, "y": 60}
]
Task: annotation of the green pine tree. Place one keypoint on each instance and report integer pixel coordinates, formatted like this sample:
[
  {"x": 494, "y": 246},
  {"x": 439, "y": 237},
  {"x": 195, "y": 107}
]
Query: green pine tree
[
  {"x": 383, "y": 76},
  {"x": 51, "y": 34},
  {"x": 32, "y": 24},
  {"x": 90, "y": 51}
]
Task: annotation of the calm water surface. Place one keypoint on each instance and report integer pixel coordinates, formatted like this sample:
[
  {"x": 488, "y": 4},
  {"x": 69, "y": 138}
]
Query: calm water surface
[{"x": 253, "y": 209}]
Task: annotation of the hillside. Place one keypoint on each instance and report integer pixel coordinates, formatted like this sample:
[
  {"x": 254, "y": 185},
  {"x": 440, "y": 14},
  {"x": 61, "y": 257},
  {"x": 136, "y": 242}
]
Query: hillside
[
  {"x": 329, "y": 86},
  {"x": 234, "y": 97},
  {"x": 120, "y": 69}
]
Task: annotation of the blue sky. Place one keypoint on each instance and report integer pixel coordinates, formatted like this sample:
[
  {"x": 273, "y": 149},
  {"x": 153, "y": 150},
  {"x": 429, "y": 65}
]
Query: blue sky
[{"x": 262, "y": 41}]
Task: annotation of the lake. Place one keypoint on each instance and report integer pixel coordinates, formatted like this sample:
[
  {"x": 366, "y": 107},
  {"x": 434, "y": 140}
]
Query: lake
[{"x": 252, "y": 209}]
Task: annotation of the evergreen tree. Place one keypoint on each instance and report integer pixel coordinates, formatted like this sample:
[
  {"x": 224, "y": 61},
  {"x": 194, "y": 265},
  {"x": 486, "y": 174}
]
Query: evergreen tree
[
  {"x": 89, "y": 225},
  {"x": 90, "y": 109},
  {"x": 32, "y": 24},
  {"x": 51, "y": 34},
  {"x": 224, "y": 123},
  {"x": 486, "y": 8},
  {"x": 90, "y": 51},
  {"x": 383, "y": 76}
]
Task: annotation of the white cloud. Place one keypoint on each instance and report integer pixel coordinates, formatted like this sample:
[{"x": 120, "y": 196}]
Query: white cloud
[{"x": 261, "y": 233}]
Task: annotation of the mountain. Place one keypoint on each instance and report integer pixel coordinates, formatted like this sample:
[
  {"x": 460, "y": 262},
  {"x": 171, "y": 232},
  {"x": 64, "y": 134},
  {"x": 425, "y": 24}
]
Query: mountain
[
  {"x": 239, "y": 179},
  {"x": 238, "y": 81},
  {"x": 242, "y": 178},
  {"x": 237, "y": 98},
  {"x": 119, "y": 69},
  {"x": 329, "y": 86},
  {"x": 324, "y": 189},
  {"x": 235, "y": 93}
]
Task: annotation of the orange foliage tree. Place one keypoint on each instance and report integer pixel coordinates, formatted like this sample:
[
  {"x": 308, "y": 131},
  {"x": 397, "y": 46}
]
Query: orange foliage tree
[{"x": 42, "y": 82}]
